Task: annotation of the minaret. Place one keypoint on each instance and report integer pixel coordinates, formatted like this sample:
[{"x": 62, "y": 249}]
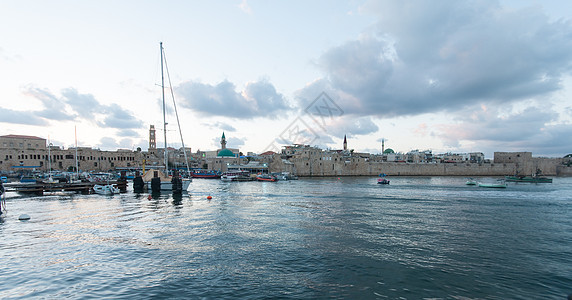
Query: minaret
[
  {"x": 382, "y": 145},
  {"x": 152, "y": 141},
  {"x": 223, "y": 141},
  {"x": 345, "y": 143}
]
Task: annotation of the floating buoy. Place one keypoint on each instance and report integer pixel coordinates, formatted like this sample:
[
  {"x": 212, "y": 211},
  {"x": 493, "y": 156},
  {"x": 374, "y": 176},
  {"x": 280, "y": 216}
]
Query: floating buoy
[
  {"x": 209, "y": 197},
  {"x": 149, "y": 197},
  {"x": 23, "y": 217}
]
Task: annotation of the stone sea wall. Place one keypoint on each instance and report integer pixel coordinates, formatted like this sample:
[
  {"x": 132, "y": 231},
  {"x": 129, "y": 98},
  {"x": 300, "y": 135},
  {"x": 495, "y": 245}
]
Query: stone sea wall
[{"x": 363, "y": 167}]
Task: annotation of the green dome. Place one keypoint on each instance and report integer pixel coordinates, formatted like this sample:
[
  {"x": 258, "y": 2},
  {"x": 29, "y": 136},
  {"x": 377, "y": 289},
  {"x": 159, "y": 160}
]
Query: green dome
[
  {"x": 225, "y": 153},
  {"x": 388, "y": 151}
]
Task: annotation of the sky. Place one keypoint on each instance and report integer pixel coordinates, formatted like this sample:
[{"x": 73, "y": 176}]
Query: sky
[{"x": 439, "y": 75}]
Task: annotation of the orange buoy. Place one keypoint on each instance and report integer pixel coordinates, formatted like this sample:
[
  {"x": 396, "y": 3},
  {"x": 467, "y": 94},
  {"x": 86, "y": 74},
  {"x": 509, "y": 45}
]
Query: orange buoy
[{"x": 209, "y": 197}]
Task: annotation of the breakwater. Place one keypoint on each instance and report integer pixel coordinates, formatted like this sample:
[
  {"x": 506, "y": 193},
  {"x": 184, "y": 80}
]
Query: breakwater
[{"x": 365, "y": 168}]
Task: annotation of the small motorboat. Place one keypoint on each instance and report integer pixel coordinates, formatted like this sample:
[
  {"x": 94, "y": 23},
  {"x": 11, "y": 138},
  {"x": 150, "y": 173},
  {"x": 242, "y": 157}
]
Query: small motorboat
[
  {"x": 500, "y": 184},
  {"x": 266, "y": 177},
  {"x": 471, "y": 181},
  {"x": 382, "y": 181},
  {"x": 107, "y": 189}
]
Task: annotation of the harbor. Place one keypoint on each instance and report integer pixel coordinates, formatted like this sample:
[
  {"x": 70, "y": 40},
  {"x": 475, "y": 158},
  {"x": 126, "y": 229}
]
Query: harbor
[
  {"x": 312, "y": 238},
  {"x": 41, "y": 188}
]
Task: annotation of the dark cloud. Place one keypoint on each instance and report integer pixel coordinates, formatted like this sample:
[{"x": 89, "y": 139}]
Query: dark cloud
[
  {"x": 428, "y": 56},
  {"x": 259, "y": 99}
]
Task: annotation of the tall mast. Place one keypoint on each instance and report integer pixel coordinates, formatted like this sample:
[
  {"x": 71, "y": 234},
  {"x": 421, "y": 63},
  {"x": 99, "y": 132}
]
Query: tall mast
[
  {"x": 164, "y": 119},
  {"x": 76, "y": 162}
]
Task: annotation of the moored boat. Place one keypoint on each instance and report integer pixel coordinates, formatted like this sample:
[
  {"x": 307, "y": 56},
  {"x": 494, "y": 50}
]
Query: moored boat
[
  {"x": 266, "y": 177},
  {"x": 236, "y": 176},
  {"x": 528, "y": 179},
  {"x": 165, "y": 181},
  {"x": 107, "y": 189},
  {"x": 205, "y": 174}
]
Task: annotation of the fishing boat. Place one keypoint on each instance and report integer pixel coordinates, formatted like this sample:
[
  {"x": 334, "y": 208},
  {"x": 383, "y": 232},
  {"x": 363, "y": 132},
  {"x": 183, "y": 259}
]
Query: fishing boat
[
  {"x": 205, "y": 174},
  {"x": 167, "y": 182},
  {"x": 528, "y": 179},
  {"x": 536, "y": 177},
  {"x": 107, "y": 189}
]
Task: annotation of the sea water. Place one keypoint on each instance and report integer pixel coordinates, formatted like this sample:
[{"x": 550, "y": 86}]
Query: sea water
[{"x": 335, "y": 238}]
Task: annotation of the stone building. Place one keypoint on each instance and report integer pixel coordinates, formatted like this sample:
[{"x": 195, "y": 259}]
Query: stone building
[{"x": 19, "y": 153}]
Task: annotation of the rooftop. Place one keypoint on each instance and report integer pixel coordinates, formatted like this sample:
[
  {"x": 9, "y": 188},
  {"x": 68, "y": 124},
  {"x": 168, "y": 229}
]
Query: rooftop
[{"x": 15, "y": 136}]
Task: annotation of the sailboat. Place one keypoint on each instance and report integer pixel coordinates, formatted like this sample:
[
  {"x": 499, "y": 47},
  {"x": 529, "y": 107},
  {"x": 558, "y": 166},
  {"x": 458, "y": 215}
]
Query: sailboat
[
  {"x": 50, "y": 175},
  {"x": 166, "y": 180}
]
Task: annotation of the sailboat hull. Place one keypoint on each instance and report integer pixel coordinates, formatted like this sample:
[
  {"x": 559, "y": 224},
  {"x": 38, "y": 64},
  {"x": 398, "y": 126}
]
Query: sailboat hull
[{"x": 168, "y": 186}]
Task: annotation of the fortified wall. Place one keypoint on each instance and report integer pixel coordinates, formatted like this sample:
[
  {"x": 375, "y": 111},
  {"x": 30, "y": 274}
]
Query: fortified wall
[{"x": 309, "y": 161}]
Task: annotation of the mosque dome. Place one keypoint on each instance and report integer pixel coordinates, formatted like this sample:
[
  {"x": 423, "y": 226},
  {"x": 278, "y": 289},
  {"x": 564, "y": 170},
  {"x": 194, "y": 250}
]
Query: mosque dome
[
  {"x": 388, "y": 151},
  {"x": 225, "y": 153}
]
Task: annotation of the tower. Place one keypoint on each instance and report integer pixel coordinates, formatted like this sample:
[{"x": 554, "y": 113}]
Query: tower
[
  {"x": 345, "y": 143},
  {"x": 382, "y": 145},
  {"x": 223, "y": 141},
  {"x": 152, "y": 141}
]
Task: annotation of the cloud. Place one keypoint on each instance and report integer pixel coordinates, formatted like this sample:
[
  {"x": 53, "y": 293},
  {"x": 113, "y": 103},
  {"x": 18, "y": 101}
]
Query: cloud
[
  {"x": 529, "y": 129},
  {"x": 73, "y": 106},
  {"x": 427, "y": 56},
  {"x": 245, "y": 7},
  {"x": 258, "y": 99},
  {"x": 117, "y": 117},
  {"x": 125, "y": 143},
  {"x": 128, "y": 133},
  {"x": 54, "y": 107},
  {"x": 351, "y": 126},
  {"x": 220, "y": 125},
  {"x": 21, "y": 117}
]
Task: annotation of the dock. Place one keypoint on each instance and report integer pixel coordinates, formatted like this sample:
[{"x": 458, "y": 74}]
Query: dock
[{"x": 39, "y": 188}]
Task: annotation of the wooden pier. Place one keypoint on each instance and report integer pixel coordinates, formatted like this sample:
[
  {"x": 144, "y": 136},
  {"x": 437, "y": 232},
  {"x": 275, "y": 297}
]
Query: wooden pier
[{"x": 39, "y": 188}]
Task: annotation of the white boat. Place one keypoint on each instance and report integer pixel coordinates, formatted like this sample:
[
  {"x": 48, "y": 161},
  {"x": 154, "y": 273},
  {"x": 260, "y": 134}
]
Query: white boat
[
  {"x": 500, "y": 184},
  {"x": 165, "y": 179},
  {"x": 107, "y": 189},
  {"x": 471, "y": 181},
  {"x": 236, "y": 176}
]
